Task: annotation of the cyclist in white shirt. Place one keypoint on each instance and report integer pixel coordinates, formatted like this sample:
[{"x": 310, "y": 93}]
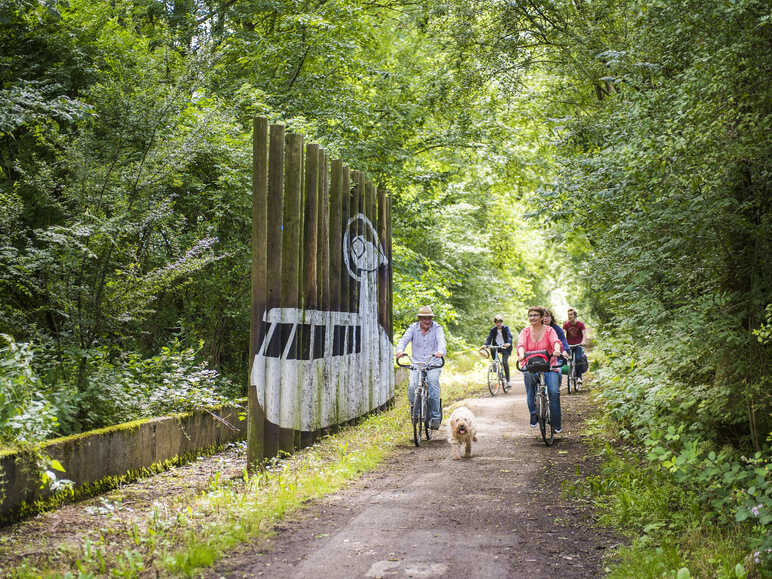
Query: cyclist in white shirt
[{"x": 428, "y": 340}]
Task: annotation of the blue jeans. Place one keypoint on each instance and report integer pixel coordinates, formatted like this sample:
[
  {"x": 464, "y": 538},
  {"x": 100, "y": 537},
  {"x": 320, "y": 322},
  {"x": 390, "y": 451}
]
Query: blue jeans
[
  {"x": 553, "y": 387},
  {"x": 433, "y": 381}
]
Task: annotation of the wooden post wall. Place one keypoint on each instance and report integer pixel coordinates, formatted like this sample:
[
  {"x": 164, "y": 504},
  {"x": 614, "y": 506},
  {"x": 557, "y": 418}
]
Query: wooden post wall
[{"x": 320, "y": 348}]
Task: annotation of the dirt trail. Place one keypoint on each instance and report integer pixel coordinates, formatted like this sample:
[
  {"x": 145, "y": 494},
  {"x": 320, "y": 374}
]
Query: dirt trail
[{"x": 423, "y": 514}]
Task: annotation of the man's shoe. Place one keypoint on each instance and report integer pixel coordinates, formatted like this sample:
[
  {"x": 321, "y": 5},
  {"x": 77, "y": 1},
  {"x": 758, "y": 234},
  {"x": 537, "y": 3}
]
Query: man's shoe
[
  {"x": 558, "y": 430},
  {"x": 435, "y": 425},
  {"x": 534, "y": 421}
]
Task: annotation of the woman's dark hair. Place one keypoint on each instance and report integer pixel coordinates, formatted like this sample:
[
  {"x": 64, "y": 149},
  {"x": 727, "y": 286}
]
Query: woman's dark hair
[
  {"x": 536, "y": 309},
  {"x": 549, "y": 313}
]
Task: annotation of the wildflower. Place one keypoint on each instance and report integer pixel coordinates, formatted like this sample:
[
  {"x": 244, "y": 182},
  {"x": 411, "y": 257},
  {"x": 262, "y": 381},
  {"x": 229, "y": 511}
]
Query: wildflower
[{"x": 755, "y": 510}]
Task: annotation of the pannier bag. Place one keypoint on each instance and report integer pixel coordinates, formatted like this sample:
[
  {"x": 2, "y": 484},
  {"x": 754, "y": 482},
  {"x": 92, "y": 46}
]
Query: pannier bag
[{"x": 582, "y": 364}]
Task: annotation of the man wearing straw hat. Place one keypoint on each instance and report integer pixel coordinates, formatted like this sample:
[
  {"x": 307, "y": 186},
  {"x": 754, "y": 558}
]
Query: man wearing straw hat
[{"x": 428, "y": 340}]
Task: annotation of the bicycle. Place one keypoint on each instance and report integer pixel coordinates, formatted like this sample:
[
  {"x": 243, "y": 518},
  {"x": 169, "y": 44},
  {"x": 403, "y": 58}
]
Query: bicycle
[
  {"x": 497, "y": 379},
  {"x": 539, "y": 366},
  {"x": 420, "y": 414},
  {"x": 573, "y": 381}
]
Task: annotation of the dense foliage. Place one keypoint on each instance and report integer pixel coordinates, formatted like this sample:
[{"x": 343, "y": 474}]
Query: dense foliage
[
  {"x": 614, "y": 153},
  {"x": 125, "y": 185},
  {"x": 661, "y": 119}
]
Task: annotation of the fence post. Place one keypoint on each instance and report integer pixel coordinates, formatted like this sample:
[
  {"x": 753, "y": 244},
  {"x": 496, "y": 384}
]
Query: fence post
[
  {"x": 310, "y": 290},
  {"x": 273, "y": 272},
  {"x": 323, "y": 285},
  {"x": 290, "y": 288},
  {"x": 256, "y": 423}
]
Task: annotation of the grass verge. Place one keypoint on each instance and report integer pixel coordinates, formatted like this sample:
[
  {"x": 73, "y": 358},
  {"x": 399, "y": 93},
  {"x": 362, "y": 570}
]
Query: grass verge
[{"x": 182, "y": 537}]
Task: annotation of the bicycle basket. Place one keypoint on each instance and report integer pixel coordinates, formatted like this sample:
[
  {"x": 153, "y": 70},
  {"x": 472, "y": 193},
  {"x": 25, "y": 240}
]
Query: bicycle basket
[{"x": 537, "y": 364}]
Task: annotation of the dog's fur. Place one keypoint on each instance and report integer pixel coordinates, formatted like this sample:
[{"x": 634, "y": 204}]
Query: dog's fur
[{"x": 462, "y": 431}]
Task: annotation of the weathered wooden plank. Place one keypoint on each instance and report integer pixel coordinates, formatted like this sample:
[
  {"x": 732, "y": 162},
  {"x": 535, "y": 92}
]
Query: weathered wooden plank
[
  {"x": 272, "y": 377},
  {"x": 291, "y": 380},
  {"x": 256, "y": 422}
]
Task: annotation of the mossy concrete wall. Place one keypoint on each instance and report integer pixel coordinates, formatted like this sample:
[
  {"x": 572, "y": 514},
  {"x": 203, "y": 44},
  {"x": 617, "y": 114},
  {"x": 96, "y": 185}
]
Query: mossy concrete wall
[
  {"x": 121, "y": 452},
  {"x": 133, "y": 447}
]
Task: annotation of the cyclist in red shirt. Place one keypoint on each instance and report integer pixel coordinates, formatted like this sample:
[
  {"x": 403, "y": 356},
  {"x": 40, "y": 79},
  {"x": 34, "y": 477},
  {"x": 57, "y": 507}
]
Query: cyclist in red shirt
[{"x": 575, "y": 337}]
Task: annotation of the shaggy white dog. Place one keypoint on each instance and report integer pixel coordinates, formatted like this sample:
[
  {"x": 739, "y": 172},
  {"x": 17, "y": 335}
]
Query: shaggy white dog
[{"x": 462, "y": 431}]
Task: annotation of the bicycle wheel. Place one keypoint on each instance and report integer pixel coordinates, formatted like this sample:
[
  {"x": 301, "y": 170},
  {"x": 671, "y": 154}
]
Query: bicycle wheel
[
  {"x": 415, "y": 417},
  {"x": 493, "y": 378},
  {"x": 545, "y": 421},
  {"x": 427, "y": 419},
  {"x": 571, "y": 376},
  {"x": 503, "y": 380}
]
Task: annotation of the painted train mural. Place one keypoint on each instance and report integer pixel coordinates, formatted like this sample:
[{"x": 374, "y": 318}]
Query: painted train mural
[
  {"x": 320, "y": 350},
  {"x": 317, "y": 368}
]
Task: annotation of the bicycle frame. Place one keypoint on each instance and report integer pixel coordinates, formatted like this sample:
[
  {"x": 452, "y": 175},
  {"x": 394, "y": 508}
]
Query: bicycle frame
[
  {"x": 571, "y": 381},
  {"x": 496, "y": 376},
  {"x": 420, "y": 415},
  {"x": 542, "y": 400}
]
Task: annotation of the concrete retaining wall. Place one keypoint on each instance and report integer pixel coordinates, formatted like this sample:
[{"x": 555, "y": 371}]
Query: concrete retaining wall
[{"x": 124, "y": 449}]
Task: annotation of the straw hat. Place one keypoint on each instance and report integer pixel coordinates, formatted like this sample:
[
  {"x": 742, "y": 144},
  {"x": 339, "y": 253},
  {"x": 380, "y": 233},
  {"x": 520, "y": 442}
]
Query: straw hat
[{"x": 425, "y": 312}]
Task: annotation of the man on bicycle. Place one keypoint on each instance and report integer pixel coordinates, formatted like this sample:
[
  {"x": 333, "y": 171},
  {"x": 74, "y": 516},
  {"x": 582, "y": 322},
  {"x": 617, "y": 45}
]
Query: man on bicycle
[
  {"x": 575, "y": 337},
  {"x": 428, "y": 340},
  {"x": 500, "y": 335}
]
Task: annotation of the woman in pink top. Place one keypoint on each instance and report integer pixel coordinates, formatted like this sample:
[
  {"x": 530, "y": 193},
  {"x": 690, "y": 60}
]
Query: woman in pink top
[{"x": 540, "y": 340}]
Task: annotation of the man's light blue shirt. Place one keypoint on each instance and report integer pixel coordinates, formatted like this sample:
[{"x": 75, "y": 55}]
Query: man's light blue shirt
[{"x": 424, "y": 345}]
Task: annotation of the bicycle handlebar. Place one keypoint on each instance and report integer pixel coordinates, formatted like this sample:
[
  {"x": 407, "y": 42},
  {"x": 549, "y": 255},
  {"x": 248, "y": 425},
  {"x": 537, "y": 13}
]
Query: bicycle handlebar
[{"x": 421, "y": 365}]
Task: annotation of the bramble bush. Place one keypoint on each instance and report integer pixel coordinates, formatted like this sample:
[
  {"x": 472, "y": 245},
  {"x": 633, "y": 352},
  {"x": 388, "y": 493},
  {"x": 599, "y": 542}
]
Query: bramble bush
[{"x": 25, "y": 414}]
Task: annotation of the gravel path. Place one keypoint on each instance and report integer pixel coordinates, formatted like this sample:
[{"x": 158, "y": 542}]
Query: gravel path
[{"x": 423, "y": 514}]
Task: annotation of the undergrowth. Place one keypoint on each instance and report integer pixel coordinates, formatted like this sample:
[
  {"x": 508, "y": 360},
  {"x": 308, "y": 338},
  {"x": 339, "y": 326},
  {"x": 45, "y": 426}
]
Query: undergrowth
[{"x": 672, "y": 527}]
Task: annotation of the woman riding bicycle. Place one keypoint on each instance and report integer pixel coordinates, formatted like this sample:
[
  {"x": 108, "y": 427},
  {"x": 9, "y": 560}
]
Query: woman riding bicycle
[
  {"x": 428, "y": 340},
  {"x": 549, "y": 320},
  {"x": 500, "y": 335},
  {"x": 540, "y": 340}
]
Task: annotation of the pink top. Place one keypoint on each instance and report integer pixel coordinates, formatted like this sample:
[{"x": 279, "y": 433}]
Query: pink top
[{"x": 547, "y": 342}]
